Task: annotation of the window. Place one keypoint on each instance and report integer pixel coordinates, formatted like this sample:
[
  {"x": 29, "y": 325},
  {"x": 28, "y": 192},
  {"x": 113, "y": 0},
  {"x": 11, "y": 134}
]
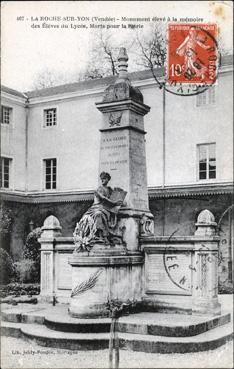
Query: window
[
  {"x": 50, "y": 166},
  {"x": 50, "y": 117},
  {"x": 6, "y": 115},
  {"x": 207, "y": 161},
  {"x": 5, "y": 172},
  {"x": 206, "y": 98}
]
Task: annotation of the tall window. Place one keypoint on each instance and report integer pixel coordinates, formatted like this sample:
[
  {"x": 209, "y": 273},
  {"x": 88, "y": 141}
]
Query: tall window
[
  {"x": 6, "y": 114},
  {"x": 50, "y": 166},
  {"x": 206, "y": 98},
  {"x": 207, "y": 161},
  {"x": 5, "y": 172},
  {"x": 50, "y": 117}
]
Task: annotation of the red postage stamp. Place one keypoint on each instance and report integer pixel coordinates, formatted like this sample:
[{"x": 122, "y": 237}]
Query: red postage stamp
[{"x": 192, "y": 53}]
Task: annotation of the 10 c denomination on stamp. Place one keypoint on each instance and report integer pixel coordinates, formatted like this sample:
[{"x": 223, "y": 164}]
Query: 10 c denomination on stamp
[{"x": 192, "y": 53}]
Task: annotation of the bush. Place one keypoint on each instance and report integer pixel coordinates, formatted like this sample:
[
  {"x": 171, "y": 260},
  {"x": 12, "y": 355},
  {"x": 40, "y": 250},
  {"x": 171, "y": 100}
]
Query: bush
[
  {"x": 18, "y": 289},
  {"x": 32, "y": 257},
  {"x": 32, "y": 246},
  {"x": 26, "y": 271},
  {"x": 7, "y": 270},
  {"x": 225, "y": 287},
  {"x": 5, "y": 220}
]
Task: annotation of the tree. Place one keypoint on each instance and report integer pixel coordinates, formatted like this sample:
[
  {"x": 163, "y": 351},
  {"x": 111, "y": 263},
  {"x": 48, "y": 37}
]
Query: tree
[
  {"x": 102, "y": 62},
  {"x": 103, "y": 56},
  {"x": 49, "y": 78},
  {"x": 153, "y": 49},
  {"x": 6, "y": 220},
  {"x": 45, "y": 78},
  {"x": 90, "y": 73}
]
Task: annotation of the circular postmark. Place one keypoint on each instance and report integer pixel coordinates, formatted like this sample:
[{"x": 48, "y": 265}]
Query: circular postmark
[
  {"x": 193, "y": 59},
  {"x": 178, "y": 268}
]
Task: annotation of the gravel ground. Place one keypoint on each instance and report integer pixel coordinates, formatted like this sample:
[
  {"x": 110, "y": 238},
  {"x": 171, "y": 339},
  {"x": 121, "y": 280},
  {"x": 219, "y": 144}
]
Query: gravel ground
[{"x": 17, "y": 353}]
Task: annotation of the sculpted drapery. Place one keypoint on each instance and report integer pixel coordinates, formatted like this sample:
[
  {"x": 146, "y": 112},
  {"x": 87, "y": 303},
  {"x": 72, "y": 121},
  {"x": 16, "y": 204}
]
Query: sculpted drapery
[{"x": 100, "y": 220}]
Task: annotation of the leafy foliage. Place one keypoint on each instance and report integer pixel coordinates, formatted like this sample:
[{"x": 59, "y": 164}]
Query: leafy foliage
[
  {"x": 5, "y": 220},
  {"x": 31, "y": 254},
  {"x": 226, "y": 287},
  {"x": 32, "y": 246},
  {"x": 118, "y": 308},
  {"x": 7, "y": 270},
  {"x": 19, "y": 289},
  {"x": 26, "y": 271}
]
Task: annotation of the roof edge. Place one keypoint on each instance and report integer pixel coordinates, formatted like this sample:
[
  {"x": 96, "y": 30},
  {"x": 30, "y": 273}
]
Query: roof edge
[{"x": 153, "y": 193}]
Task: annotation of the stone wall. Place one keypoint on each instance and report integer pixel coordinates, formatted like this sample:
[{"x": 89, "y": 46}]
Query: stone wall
[
  {"x": 69, "y": 213},
  {"x": 179, "y": 217},
  {"x": 178, "y": 214}
]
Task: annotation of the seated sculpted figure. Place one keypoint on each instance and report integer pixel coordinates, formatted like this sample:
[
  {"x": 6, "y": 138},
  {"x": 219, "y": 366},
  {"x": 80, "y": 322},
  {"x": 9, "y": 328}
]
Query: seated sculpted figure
[{"x": 98, "y": 223}]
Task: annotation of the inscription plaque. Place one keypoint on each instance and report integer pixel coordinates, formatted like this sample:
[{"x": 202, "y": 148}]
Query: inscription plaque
[{"x": 171, "y": 276}]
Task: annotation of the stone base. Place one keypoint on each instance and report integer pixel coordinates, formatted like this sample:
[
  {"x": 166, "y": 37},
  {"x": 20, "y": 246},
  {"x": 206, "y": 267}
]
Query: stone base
[
  {"x": 85, "y": 309},
  {"x": 205, "y": 307},
  {"x": 168, "y": 304},
  {"x": 101, "y": 277},
  {"x": 145, "y": 332},
  {"x": 46, "y": 298}
]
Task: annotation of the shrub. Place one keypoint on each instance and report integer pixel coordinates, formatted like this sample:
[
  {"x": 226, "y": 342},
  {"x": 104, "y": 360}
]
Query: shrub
[
  {"x": 225, "y": 287},
  {"x": 26, "y": 271},
  {"x": 31, "y": 254},
  {"x": 7, "y": 270},
  {"x": 32, "y": 246},
  {"x": 18, "y": 289},
  {"x": 5, "y": 220},
  {"x": 5, "y": 227}
]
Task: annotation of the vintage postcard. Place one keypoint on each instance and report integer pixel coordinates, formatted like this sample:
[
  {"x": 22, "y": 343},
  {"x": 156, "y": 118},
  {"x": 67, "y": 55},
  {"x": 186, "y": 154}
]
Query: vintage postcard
[{"x": 116, "y": 174}]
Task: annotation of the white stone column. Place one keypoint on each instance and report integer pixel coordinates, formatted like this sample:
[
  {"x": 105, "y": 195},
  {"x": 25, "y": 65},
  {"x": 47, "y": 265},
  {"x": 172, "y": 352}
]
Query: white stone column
[
  {"x": 50, "y": 230},
  {"x": 205, "y": 267}
]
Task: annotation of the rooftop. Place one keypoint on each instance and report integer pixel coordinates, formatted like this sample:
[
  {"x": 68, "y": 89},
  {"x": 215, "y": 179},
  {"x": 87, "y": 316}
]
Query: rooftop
[
  {"x": 227, "y": 60},
  {"x": 11, "y": 91}
]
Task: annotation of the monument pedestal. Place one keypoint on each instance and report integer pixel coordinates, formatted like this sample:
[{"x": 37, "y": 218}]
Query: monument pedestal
[
  {"x": 102, "y": 276},
  {"x": 122, "y": 153}
]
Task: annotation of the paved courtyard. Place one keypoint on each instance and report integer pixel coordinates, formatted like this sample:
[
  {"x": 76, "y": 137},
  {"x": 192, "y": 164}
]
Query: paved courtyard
[{"x": 17, "y": 353}]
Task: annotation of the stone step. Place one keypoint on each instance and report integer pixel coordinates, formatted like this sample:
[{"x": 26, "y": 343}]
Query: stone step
[
  {"x": 66, "y": 340},
  {"x": 11, "y": 329},
  {"x": 177, "y": 325},
  {"x": 24, "y": 314},
  {"x": 135, "y": 342},
  {"x": 170, "y": 325},
  {"x": 67, "y": 324},
  {"x": 167, "y": 345},
  {"x": 57, "y": 318}
]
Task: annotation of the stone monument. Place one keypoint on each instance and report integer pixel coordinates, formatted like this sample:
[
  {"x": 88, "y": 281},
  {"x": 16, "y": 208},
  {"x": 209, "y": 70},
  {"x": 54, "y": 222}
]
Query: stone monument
[
  {"x": 114, "y": 253},
  {"x": 107, "y": 261},
  {"x": 122, "y": 151}
]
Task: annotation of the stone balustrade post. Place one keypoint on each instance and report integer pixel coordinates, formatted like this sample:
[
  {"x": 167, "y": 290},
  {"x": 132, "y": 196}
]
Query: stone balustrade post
[
  {"x": 50, "y": 230},
  {"x": 205, "y": 266}
]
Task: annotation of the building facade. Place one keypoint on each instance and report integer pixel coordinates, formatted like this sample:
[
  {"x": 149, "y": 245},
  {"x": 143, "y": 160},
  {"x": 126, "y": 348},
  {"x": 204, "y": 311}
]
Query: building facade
[{"x": 50, "y": 148}]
